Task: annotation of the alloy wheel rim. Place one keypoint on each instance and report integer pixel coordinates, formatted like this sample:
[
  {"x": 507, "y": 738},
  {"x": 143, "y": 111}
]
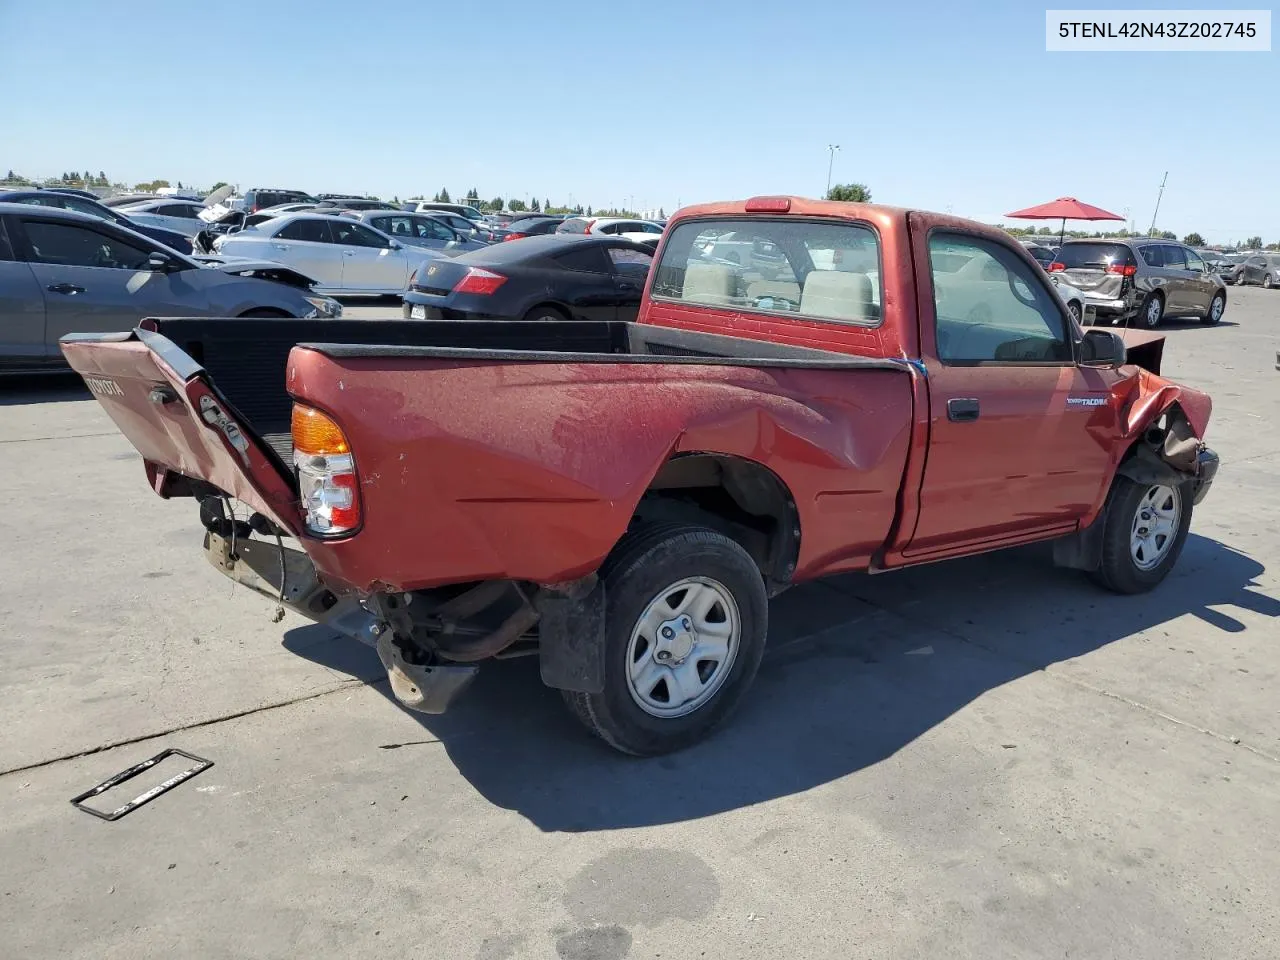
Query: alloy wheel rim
[
  {"x": 1155, "y": 526},
  {"x": 1153, "y": 312},
  {"x": 1218, "y": 303},
  {"x": 683, "y": 647}
]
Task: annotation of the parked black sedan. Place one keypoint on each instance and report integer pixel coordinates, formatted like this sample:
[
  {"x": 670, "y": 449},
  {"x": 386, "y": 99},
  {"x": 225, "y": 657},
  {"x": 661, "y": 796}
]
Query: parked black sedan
[
  {"x": 532, "y": 226},
  {"x": 68, "y": 201},
  {"x": 551, "y": 277}
]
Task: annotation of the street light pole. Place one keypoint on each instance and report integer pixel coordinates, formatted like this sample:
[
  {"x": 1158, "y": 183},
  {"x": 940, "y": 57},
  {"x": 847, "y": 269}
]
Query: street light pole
[{"x": 832, "y": 148}]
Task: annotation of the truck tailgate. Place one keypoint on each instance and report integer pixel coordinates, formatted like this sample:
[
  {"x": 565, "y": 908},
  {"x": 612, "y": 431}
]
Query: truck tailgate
[{"x": 163, "y": 402}]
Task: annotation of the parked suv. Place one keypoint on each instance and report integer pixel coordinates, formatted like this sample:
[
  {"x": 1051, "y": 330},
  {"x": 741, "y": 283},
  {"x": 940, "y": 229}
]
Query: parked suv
[
  {"x": 259, "y": 198},
  {"x": 1142, "y": 280}
]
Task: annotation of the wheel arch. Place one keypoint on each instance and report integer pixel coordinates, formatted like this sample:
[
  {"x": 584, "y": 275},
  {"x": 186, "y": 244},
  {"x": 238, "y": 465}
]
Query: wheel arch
[{"x": 737, "y": 496}]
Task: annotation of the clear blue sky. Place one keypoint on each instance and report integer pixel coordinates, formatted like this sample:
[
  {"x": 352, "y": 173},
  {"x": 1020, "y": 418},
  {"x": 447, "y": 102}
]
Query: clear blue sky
[{"x": 934, "y": 104}]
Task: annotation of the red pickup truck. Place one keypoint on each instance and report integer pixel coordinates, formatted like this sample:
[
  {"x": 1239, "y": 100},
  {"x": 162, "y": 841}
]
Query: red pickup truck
[{"x": 811, "y": 387}]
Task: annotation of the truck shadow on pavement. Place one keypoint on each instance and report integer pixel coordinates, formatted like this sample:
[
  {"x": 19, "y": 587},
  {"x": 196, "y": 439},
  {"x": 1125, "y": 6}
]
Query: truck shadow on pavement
[
  {"x": 857, "y": 668},
  {"x": 21, "y": 389}
]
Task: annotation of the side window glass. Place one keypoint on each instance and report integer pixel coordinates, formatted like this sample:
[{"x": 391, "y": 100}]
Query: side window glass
[
  {"x": 1194, "y": 262},
  {"x": 632, "y": 264},
  {"x": 588, "y": 259},
  {"x": 313, "y": 231},
  {"x": 990, "y": 306},
  {"x": 75, "y": 246},
  {"x": 1151, "y": 256},
  {"x": 355, "y": 234},
  {"x": 1173, "y": 258},
  {"x": 6, "y": 248}
]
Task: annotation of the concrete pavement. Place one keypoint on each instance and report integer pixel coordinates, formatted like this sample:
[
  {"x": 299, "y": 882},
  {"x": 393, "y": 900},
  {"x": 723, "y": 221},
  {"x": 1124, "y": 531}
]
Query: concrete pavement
[{"x": 984, "y": 758}]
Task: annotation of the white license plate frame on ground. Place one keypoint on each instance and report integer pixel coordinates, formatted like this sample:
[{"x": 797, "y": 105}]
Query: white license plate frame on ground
[{"x": 417, "y": 312}]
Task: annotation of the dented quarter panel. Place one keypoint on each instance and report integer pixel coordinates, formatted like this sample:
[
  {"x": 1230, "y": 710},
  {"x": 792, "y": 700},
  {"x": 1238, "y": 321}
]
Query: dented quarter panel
[{"x": 531, "y": 471}]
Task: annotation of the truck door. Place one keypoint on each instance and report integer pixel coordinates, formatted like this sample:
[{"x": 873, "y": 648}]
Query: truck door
[{"x": 1019, "y": 434}]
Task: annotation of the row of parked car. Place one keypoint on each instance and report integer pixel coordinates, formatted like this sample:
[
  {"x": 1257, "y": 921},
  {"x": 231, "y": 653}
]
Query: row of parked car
[{"x": 1144, "y": 280}]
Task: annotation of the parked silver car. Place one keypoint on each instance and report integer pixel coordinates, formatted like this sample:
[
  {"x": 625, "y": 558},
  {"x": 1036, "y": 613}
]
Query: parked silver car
[
  {"x": 181, "y": 216},
  {"x": 418, "y": 230},
  {"x": 63, "y": 272},
  {"x": 1262, "y": 269},
  {"x": 341, "y": 254},
  {"x": 1142, "y": 280}
]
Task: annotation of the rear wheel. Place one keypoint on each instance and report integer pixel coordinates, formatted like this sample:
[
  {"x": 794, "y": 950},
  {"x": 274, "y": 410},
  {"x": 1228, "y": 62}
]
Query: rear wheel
[
  {"x": 545, "y": 313},
  {"x": 1146, "y": 526},
  {"x": 1268, "y": 281},
  {"x": 1077, "y": 315},
  {"x": 1152, "y": 311},
  {"x": 1216, "y": 308},
  {"x": 685, "y": 622}
]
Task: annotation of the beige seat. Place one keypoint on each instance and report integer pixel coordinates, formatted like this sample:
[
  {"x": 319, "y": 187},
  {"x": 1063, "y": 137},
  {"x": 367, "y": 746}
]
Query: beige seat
[
  {"x": 838, "y": 295},
  {"x": 710, "y": 283}
]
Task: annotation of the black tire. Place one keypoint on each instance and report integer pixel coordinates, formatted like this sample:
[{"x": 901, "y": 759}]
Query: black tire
[
  {"x": 1217, "y": 307},
  {"x": 643, "y": 564},
  {"x": 1268, "y": 282},
  {"x": 1119, "y": 571},
  {"x": 265, "y": 313},
  {"x": 1151, "y": 312},
  {"x": 1077, "y": 314},
  {"x": 545, "y": 312}
]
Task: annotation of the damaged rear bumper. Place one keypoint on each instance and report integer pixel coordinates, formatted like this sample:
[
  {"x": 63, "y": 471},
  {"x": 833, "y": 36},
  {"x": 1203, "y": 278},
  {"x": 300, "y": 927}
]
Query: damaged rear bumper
[{"x": 266, "y": 567}]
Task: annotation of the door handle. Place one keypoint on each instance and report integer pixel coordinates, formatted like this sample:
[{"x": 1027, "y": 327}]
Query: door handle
[
  {"x": 348, "y": 253},
  {"x": 70, "y": 289},
  {"x": 962, "y": 409},
  {"x": 628, "y": 285},
  {"x": 281, "y": 246}
]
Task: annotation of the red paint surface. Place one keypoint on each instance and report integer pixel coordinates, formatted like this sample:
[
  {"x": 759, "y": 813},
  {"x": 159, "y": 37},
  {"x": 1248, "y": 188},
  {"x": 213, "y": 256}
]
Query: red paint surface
[{"x": 476, "y": 470}]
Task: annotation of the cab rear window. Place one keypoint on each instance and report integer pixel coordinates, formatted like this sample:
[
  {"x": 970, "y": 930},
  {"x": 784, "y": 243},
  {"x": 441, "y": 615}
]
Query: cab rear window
[{"x": 816, "y": 269}]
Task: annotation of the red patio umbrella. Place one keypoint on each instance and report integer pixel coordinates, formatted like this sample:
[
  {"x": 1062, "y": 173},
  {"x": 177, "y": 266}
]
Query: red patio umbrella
[{"x": 1064, "y": 209}]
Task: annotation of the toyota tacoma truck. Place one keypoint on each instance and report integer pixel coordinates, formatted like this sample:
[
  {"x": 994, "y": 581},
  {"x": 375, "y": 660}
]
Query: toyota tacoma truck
[{"x": 886, "y": 388}]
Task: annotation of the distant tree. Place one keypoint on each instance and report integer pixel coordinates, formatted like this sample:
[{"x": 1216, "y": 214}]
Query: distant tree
[
  {"x": 218, "y": 186},
  {"x": 1253, "y": 243},
  {"x": 546, "y": 204},
  {"x": 12, "y": 175},
  {"x": 472, "y": 194},
  {"x": 102, "y": 177},
  {"x": 1193, "y": 240},
  {"x": 1046, "y": 231},
  {"x": 850, "y": 193},
  {"x": 588, "y": 210},
  {"x": 533, "y": 205},
  {"x": 1167, "y": 235},
  {"x": 496, "y": 203},
  {"x": 444, "y": 196},
  {"x": 662, "y": 214},
  {"x": 515, "y": 206}
]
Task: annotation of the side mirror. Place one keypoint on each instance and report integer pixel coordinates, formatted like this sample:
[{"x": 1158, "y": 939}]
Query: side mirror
[
  {"x": 1102, "y": 348},
  {"x": 396, "y": 245},
  {"x": 159, "y": 262}
]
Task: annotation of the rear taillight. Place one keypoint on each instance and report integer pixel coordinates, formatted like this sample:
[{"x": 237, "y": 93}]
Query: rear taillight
[
  {"x": 327, "y": 486},
  {"x": 255, "y": 208},
  {"x": 514, "y": 236},
  {"x": 590, "y": 224},
  {"x": 482, "y": 282},
  {"x": 1123, "y": 269},
  {"x": 1055, "y": 267},
  {"x": 413, "y": 278}
]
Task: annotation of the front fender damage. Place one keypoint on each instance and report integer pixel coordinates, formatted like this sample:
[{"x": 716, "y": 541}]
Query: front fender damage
[{"x": 1162, "y": 427}]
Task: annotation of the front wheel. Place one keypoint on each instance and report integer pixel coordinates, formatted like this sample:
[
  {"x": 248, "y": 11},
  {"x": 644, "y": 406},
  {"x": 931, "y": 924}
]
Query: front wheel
[
  {"x": 1077, "y": 315},
  {"x": 1216, "y": 307},
  {"x": 1146, "y": 526},
  {"x": 1268, "y": 282},
  {"x": 685, "y": 620}
]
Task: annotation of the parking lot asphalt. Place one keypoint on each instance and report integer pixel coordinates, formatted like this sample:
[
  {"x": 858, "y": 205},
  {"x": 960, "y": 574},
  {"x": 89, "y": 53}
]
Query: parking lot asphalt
[{"x": 982, "y": 758}]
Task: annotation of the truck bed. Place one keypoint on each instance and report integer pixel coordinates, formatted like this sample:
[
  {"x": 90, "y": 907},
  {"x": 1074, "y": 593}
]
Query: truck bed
[{"x": 246, "y": 358}]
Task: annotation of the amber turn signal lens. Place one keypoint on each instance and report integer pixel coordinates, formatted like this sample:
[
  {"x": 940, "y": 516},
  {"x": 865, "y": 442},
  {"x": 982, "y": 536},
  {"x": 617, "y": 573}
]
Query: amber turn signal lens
[{"x": 315, "y": 434}]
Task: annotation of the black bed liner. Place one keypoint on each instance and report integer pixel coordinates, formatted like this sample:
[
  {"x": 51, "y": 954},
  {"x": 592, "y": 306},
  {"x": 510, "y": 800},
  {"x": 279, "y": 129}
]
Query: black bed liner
[{"x": 245, "y": 358}]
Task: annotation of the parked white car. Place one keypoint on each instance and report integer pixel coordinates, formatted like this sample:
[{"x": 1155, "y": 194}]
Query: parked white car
[
  {"x": 340, "y": 254},
  {"x": 635, "y": 230},
  {"x": 181, "y": 216}
]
